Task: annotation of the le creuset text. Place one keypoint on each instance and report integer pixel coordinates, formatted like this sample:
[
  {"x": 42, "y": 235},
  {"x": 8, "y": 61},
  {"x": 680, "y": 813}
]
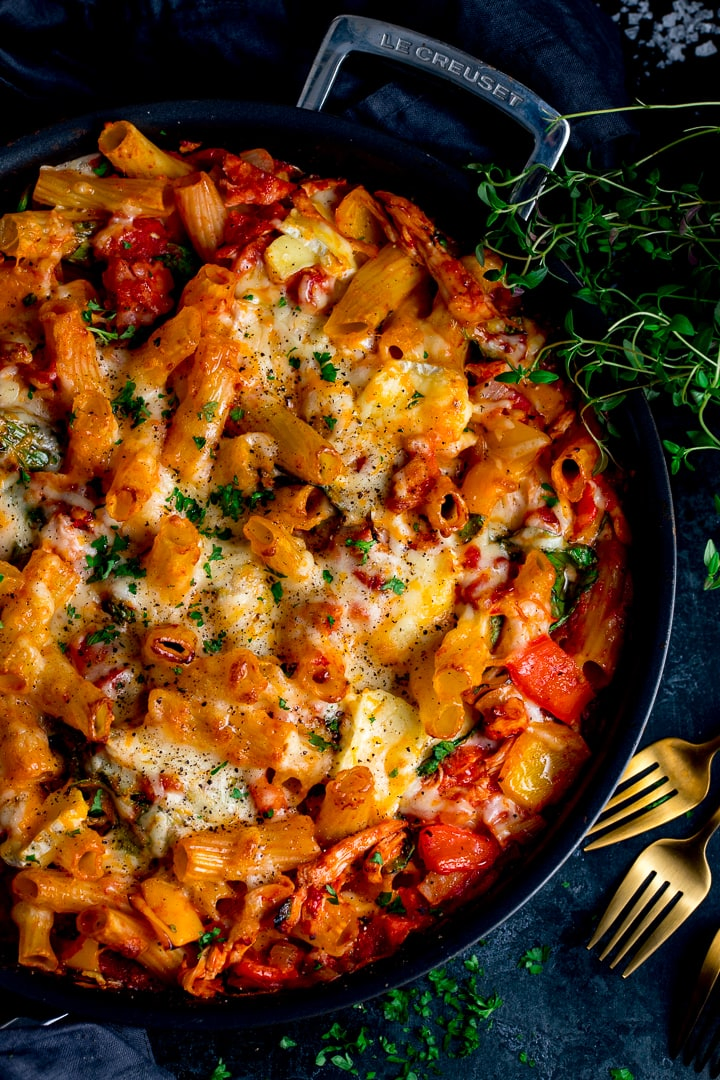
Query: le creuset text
[{"x": 454, "y": 67}]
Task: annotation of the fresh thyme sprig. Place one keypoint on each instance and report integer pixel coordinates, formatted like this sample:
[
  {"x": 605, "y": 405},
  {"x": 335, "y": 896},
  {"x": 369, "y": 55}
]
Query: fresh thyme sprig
[{"x": 644, "y": 250}]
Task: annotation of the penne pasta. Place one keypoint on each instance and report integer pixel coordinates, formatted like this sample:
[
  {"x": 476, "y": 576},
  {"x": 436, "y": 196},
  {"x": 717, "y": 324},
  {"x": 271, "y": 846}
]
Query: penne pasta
[
  {"x": 133, "y": 154},
  {"x": 173, "y": 557},
  {"x": 300, "y": 450},
  {"x": 199, "y": 419},
  {"x": 35, "y": 926},
  {"x": 251, "y": 852},
  {"x": 72, "y": 190},
  {"x": 273, "y": 542},
  {"x": 378, "y": 288},
  {"x": 203, "y": 213},
  {"x": 71, "y": 347},
  {"x": 154, "y": 362}
]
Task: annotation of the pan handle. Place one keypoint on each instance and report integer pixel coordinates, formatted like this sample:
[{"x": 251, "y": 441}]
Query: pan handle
[{"x": 354, "y": 33}]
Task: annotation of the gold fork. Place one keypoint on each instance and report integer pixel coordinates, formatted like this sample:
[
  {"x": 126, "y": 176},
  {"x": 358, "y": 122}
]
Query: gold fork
[
  {"x": 667, "y": 881},
  {"x": 699, "y": 1034},
  {"x": 673, "y": 771}
]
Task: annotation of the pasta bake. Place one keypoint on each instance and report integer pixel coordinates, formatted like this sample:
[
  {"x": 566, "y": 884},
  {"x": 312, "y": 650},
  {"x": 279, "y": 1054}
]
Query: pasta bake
[{"x": 311, "y": 572}]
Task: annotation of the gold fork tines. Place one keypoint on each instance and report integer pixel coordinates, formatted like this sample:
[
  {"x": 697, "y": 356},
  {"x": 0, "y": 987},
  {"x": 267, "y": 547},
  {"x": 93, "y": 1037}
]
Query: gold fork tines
[
  {"x": 665, "y": 884},
  {"x": 670, "y": 777}
]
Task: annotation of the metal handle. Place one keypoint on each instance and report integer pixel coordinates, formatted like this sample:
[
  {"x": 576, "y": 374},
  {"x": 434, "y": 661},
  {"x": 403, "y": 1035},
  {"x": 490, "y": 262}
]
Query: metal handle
[
  {"x": 6, "y": 1023},
  {"x": 354, "y": 33}
]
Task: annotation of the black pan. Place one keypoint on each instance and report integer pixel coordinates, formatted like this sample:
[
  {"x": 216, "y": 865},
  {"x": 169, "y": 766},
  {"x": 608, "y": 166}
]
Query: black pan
[{"x": 330, "y": 146}]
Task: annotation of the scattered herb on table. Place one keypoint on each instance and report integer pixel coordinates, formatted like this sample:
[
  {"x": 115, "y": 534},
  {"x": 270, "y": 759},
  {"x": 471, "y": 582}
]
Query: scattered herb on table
[
  {"x": 220, "y": 1072},
  {"x": 533, "y": 960}
]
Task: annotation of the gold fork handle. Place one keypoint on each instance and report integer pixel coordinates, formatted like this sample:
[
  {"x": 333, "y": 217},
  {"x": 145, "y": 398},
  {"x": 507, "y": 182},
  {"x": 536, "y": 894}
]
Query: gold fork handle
[
  {"x": 711, "y": 746},
  {"x": 703, "y": 835}
]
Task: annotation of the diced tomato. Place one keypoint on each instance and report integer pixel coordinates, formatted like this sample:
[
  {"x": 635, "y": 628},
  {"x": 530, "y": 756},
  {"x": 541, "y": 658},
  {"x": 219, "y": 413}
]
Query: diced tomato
[
  {"x": 248, "y": 224},
  {"x": 371, "y": 581},
  {"x": 266, "y": 975},
  {"x": 448, "y": 849},
  {"x": 143, "y": 238},
  {"x": 471, "y": 557},
  {"x": 244, "y": 182},
  {"x": 587, "y": 511},
  {"x": 544, "y": 518},
  {"x": 87, "y": 657},
  {"x": 463, "y": 767},
  {"x": 549, "y": 677},
  {"x": 138, "y": 291},
  {"x": 385, "y": 933}
]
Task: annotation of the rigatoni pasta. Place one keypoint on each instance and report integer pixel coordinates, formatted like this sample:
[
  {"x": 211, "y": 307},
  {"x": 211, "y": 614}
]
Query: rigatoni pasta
[{"x": 307, "y": 589}]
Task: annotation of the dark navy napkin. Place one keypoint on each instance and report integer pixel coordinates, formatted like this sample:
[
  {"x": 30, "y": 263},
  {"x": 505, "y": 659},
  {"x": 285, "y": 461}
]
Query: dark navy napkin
[
  {"x": 60, "y": 59},
  {"x": 29, "y": 1051}
]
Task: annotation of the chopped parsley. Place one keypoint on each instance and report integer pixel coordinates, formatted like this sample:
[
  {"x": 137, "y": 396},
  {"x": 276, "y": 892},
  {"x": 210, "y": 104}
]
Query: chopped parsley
[
  {"x": 496, "y": 625},
  {"x": 437, "y": 755},
  {"x": 391, "y": 903},
  {"x": 210, "y": 937},
  {"x": 187, "y": 506},
  {"x": 332, "y": 896},
  {"x": 130, "y": 406},
  {"x": 534, "y": 959},
  {"x": 415, "y": 399},
  {"x": 215, "y": 555},
  {"x": 277, "y": 591},
  {"x": 98, "y": 320},
  {"x": 106, "y": 636},
  {"x": 328, "y": 371},
  {"x": 549, "y": 498},
  {"x": 231, "y": 502},
  {"x": 208, "y": 411},
  {"x": 108, "y": 559},
  {"x": 361, "y": 545},
  {"x": 318, "y": 742},
  {"x": 214, "y": 645},
  {"x": 394, "y": 584}
]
